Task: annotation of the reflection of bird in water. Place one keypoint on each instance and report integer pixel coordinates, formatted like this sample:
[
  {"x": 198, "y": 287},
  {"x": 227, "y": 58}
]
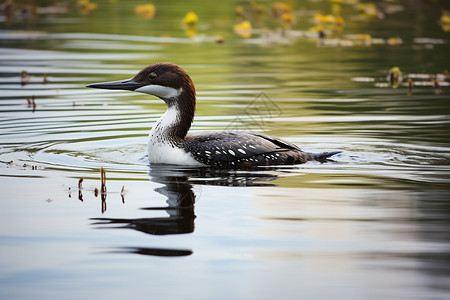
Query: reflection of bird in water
[
  {"x": 177, "y": 187},
  {"x": 170, "y": 144},
  {"x": 180, "y": 199}
]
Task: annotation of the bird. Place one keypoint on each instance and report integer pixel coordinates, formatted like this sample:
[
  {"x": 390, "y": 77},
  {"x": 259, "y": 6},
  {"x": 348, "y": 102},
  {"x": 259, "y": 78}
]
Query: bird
[{"x": 170, "y": 143}]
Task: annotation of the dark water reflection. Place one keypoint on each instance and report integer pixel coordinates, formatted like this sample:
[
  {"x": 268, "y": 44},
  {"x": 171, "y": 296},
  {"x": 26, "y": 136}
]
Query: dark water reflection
[
  {"x": 180, "y": 209},
  {"x": 178, "y": 188}
]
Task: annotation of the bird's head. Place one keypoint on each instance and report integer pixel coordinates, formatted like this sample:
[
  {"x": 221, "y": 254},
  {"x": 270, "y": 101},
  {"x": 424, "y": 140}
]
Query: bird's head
[{"x": 164, "y": 80}]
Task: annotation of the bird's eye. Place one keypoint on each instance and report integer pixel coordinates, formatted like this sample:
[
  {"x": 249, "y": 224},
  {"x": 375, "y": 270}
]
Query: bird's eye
[{"x": 152, "y": 75}]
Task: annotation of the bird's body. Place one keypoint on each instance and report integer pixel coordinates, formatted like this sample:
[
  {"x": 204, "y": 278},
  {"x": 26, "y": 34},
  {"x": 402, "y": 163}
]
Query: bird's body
[{"x": 169, "y": 142}]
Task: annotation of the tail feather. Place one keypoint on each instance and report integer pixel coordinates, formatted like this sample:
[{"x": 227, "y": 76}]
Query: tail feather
[{"x": 324, "y": 155}]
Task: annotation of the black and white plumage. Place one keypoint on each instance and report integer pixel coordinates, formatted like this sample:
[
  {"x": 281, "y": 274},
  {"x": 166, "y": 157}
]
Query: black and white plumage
[
  {"x": 245, "y": 149},
  {"x": 169, "y": 142}
]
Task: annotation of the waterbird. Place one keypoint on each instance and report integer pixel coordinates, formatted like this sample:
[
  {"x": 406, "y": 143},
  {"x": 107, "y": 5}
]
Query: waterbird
[{"x": 170, "y": 143}]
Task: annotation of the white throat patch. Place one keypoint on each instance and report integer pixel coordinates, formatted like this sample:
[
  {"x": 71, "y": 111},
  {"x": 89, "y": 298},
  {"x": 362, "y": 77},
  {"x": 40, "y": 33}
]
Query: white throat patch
[
  {"x": 160, "y": 149},
  {"x": 160, "y": 91}
]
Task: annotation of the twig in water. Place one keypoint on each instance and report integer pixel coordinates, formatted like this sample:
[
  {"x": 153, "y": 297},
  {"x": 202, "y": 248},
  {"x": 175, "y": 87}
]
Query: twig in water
[
  {"x": 103, "y": 180},
  {"x": 103, "y": 189},
  {"x": 122, "y": 194},
  {"x": 80, "y": 187},
  {"x": 31, "y": 103},
  {"x": 24, "y": 77},
  {"x": 410, "y": 86}
]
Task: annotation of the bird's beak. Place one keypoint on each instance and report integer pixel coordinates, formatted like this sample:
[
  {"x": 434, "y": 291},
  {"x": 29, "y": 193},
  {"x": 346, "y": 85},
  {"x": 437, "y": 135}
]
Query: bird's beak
[{"x": 128, "y": 85}]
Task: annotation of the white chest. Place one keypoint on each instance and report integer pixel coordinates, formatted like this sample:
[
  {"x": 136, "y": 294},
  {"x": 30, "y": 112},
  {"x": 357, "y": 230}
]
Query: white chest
[
  {"x": 165, "y": 153},
  {"x": 161, "y": 150}
]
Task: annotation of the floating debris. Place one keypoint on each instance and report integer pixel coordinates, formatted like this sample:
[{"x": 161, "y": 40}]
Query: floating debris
[
  {"x": 352, "y": 40},
  {"x": 318, "y": 18},
  {"x": 103, "y": 189},
  {"x": 410, "y": 86},
  {"x": 444, "y": 21},
  {"x": 280, "y": 8},
  {"x": 80, "y": 195},
  {"x": 239, "y": 11},
  {"x": 394, "y": 41},
  {"x": 103, "y": 196},
  {"x": 435, "y": 82},
  {"x": 243, "y": 29},
  {"x": 146, "y": 11},
  {"x": 24, "y": 77},
  {"x": 369, "y": 10},
  {"x": 30, "y": 166},
  {"x": 96, "y": 192},
  {"x": 31, "y": 103},
  {"x": 220, "y": 39},
  {"x": 86, "y": 6},
  {"x": 281, "y": 11},
  {"x": 80, "y": 183},
  {"x": 287, "y": 19},
  {"x": 103, "y": 180},
  {"x": 190, "y": 19},
  {"x": 19, "y": 11},
  {"x": 190, "y": 22},
  {"x": 394, "y": 77},
  {"x": 257, "y": 9},
  {"x": 122, "y": 194}
]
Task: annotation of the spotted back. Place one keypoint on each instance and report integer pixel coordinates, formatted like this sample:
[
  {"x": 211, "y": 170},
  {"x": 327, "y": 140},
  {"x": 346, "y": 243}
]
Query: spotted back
[{"x": 243, "y": 149}]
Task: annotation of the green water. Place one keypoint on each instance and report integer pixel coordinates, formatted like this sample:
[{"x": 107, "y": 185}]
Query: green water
[{"x": 372, "y": 224}]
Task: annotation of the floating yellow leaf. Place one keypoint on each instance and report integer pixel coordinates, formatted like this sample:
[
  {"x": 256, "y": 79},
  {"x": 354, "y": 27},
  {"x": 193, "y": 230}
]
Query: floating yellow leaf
[
  {"x": 258, "y": 8},
  {"x": 287, "y": 19},
  {"x": 239, "y": 11},
  {"x": 395, "y": 77},
  {"x": 279, "y": 8},
  {"x": 445, "y": 21},
  {"x": 146, "y": 11},
  {"x": 324, "y": 18},
  {"x": 190, "y": 19},
  {"x": 363, "y": 37},
  {"x": 190, "y": 31},
  {"x": 85, "y": 6},
  {"x": 445, "y": 17},
  {"x": 369, "y": 9},
  {"x": 243, "y": 29},
  {"x": 393, "y": 41}
]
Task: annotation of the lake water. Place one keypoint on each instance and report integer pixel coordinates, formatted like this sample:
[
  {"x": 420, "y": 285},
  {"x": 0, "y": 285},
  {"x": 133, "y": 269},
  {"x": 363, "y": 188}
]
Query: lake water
[{"x": 374, "y": 223}]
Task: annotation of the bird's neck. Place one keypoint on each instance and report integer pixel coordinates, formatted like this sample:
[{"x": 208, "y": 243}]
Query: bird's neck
[{"x": 175, "y": 123}]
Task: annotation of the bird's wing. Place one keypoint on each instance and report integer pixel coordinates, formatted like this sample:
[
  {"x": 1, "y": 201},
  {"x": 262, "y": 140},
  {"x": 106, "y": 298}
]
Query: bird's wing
[{"x": 224, "y": 147}]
